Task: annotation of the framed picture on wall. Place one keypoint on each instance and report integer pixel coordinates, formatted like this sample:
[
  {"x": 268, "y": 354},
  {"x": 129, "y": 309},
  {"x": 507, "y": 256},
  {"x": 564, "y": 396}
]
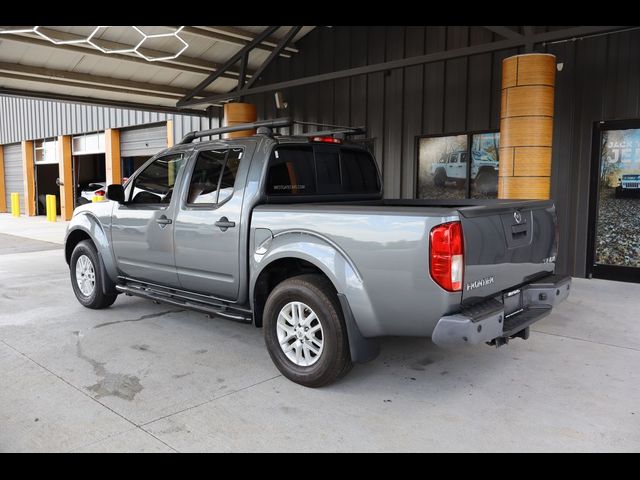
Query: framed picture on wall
[{"x": 444, "y": 169}]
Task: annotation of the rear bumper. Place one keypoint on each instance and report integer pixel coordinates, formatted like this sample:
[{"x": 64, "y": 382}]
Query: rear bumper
[{"x": 486, "y": 321}]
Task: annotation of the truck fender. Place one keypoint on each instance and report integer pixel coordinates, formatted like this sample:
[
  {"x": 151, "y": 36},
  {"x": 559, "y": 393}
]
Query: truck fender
[
  {"x": 90, "y": 226},
  {"x": 329, "y": 258}
]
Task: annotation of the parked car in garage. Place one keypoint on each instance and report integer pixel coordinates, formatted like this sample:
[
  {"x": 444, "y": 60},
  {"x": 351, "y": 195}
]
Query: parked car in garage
[
  {"x": 91, "y": 190},
  {"x": 292, "y": 234}
]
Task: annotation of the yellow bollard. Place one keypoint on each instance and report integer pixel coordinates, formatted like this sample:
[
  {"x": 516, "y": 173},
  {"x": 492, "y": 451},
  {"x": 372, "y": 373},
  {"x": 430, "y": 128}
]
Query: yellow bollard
[
  {"x": 51, "y": 208},
  {"x": 15, "y": 204},
  {"x": 97, "y": 198}
]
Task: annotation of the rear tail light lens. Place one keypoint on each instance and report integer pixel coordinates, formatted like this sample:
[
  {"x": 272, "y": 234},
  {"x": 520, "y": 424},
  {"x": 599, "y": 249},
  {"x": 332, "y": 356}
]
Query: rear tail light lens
[
  {"x": 99, "y": 193},
  {"x": 447, "y": 256},
  {"x": 326, "y": 140}
]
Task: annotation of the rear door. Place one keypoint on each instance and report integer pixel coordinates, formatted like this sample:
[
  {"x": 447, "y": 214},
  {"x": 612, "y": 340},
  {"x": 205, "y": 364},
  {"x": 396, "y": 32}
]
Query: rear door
[
  {"x": 208, "y": 228},
  {"x": 506, "y": 245}
]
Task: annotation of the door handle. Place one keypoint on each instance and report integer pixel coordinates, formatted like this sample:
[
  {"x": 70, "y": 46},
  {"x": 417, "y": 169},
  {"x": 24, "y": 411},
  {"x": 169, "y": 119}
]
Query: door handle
[
  {"x": 224, "y": 223},
  {"x": 163, "y": 220}
]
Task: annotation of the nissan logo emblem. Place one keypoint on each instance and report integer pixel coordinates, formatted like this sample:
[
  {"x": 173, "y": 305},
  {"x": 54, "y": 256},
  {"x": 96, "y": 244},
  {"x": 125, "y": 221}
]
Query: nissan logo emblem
[{"x": 517, "y": 216}]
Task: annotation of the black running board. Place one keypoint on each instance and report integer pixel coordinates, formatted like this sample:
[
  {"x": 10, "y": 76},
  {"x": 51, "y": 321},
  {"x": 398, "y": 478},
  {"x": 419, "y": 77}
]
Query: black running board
[{"x": 145, "y": 291}]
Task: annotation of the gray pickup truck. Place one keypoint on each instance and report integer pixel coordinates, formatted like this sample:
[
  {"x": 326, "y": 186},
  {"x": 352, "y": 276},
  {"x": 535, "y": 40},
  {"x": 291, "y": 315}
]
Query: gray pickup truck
[{"x": 292, "y": 234}]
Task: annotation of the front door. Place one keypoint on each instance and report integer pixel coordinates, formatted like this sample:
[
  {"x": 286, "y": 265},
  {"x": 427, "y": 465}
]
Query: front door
[
  {"x": 614, "y": 248},
  {"x": 207, "y": 228},
  {"x": 142, "y": 228}
]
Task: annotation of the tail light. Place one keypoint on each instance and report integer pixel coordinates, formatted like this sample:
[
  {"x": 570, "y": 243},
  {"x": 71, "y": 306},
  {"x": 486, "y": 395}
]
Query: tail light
[
  {"x": 447, "y": 256},
  {"x": 326, "y": 140},
  {"x": 99, "y": 193}
]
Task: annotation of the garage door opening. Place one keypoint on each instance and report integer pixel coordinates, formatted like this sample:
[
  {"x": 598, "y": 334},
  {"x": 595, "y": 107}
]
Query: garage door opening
[
  {"x": 45, "y": 154},
  {"x": 139, "y": 144},
  {"x": 89, "y": 168},
  {"x": 131, "y": 164}
]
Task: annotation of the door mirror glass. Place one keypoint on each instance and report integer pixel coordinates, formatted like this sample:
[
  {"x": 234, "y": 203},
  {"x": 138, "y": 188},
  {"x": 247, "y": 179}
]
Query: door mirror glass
[{"x": 115, "y": 192}]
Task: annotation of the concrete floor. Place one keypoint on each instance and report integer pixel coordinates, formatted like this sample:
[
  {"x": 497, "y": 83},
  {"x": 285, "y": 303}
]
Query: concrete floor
[{"x": 146, "y": 377}]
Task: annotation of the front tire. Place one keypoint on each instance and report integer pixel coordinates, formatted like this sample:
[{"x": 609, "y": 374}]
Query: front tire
[
  {"x": 86, "y": 277},
  {"x": 305, "y": 332}
]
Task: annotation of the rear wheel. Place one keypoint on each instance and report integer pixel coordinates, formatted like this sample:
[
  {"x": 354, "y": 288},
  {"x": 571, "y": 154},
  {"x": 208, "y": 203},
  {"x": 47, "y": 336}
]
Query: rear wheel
[
  {"x": 305, "y": 332},
  {"x": 86, "y": 277},
  {"x": 440, "y": 178}
]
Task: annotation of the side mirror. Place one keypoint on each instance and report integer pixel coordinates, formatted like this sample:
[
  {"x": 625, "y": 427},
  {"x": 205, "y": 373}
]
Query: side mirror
[{"x": 115, "y": 192}]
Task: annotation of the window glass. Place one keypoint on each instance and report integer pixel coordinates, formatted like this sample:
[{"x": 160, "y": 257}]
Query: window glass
[
  {"x": 442, "y": 167},
  {"x": 484, "y": 165},
  {"x": 328, "y": 170},
  {"x": 291, "y": 171},
  {"x": 618, "y": 211},
  {"x": 359, "y": 173},
  {"x": 229, "y": 174},
  {"x": 156, "y": 182},
  {"x": 203, "y": 188}
]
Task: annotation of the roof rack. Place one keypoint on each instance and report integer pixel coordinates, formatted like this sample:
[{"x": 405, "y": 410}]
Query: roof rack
[
  {"x": 275, "y": 123},
  {"x": 335, "y": 129},
  {"x": 264, "y": 128}
]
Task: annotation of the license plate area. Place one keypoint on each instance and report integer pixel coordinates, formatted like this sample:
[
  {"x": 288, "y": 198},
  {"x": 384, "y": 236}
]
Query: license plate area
[{"x": 512, "y": 301}]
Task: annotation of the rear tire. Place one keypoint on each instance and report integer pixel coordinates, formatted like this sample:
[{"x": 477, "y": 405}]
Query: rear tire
[
  {"x": 440, "y": 178},
  {"x": 312, "y": 352},
  {"x": 86, "y": 271}
]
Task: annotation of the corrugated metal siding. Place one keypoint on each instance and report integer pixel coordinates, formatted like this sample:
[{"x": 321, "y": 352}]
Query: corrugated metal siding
[
  {"x": 145, "y": 141},
  {"x": 24, "y": 118},
  {"x": 600, "y": 81},
  {"x": 13, "y": 173},
  {"x": 396, "y": 106}
]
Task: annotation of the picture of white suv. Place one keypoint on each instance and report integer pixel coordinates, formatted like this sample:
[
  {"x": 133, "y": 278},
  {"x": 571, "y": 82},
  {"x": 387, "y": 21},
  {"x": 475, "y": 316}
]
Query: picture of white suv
[{"x": 453, "y": 167}]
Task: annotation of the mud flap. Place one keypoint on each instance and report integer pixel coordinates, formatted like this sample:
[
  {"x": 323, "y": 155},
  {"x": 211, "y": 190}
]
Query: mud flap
[{"x": 362, "y": 349}]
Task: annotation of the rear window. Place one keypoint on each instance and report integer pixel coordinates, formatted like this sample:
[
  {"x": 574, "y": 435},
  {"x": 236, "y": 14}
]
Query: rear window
[{"x": 321, "y": 170}]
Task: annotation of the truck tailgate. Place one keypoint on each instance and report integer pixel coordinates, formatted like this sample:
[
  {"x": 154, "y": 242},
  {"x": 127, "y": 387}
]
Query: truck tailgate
[{"x": 506, "y": 245}]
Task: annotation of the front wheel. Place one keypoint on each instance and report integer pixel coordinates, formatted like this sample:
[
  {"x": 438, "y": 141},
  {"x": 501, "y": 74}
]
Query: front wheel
[
  {"x": 305, "y": 332},
  {"x": 86, "y": 278}
]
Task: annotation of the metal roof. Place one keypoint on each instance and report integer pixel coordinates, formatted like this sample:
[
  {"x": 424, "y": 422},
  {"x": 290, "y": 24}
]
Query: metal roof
[{"x": 31, "y": 63}]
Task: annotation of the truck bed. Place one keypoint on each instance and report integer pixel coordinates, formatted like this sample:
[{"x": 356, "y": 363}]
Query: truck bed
[{"x": 387, "y": 243}]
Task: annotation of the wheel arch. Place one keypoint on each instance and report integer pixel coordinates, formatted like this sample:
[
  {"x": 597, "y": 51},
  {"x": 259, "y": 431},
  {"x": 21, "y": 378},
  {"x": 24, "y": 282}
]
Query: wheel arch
[
  {"x": 85, "y": 226},
  {"x": 300, "y": 253}
]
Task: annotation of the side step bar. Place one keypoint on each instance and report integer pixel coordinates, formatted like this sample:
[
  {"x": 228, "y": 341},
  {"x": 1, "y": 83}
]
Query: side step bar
[{"x": 227, "y": 312}]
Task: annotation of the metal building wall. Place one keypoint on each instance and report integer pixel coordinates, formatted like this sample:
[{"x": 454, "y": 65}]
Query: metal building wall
[
  {"x": 600, "y": 81},
  {"x": 24, "y": 118},
  {"x": 13, "y": 173}
]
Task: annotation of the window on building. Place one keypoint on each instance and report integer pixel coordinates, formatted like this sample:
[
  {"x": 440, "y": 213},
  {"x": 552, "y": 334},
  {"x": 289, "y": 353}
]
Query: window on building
[
  {"x": 444, "y": 170},
  {"x": 45, "y": 151}
]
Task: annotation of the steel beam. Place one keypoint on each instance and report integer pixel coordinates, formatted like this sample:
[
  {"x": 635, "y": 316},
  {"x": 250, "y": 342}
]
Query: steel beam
[
  {"x": 246, "y": 35},
  {"x": 71, "y": 83},
  {"x": 210, "y": 33},
  {"x": 237, "y": 56},
  {"x": 95, "y": 81},
  {"x": 283, "y": 44},
  {"x": 100, "y": 101},
  {"x": 505, "y": 32},
  {"x": 410, "y": 61}
]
